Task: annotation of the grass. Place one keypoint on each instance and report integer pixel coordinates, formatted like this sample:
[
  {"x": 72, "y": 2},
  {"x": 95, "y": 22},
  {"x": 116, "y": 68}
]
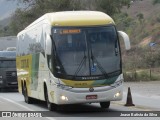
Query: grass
[{"x": 142, "y": 75}]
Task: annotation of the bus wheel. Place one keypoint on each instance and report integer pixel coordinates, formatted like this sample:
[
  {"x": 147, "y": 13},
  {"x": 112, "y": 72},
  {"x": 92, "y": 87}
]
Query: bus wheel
[
  {"x": 26, "y": 97},
  {"x": 50, "y": 106},
  {"x": 105, "y": 104}
]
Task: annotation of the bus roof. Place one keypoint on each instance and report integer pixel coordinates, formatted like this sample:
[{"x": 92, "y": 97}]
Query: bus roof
[
  {"x": 79, "y": 18},
  {"x": 75, "y": 18},
  {"x": 7, "y": 54}
]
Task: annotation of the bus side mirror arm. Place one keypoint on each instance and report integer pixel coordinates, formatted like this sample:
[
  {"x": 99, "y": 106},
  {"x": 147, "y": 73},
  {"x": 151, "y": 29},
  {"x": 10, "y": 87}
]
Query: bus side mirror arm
[
  {"x": 126, "y": 39},
  {"x": 48, "y": 45}
]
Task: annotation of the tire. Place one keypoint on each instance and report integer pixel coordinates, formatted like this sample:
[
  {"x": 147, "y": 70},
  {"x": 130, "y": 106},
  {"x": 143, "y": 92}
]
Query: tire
[
  {"x": 27, "y": 99},
  {"x": 22, "y": 89},
  {"x": 50, "y": 106},
  {"x": 105, "y": 105}
]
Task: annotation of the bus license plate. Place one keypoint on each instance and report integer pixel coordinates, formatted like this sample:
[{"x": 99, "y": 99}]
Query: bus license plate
[{"x": 88, "y": 97}]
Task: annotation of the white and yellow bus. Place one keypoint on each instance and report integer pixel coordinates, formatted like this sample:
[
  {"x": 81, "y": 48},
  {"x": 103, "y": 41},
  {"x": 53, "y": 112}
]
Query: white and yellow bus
[{"x": 71, "y": 57}]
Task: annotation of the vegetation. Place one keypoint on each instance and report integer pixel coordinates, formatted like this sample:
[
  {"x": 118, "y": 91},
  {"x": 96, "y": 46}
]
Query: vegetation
[
  {"x": 156, "y": 1},
  {"x": 111, "y": 6}
]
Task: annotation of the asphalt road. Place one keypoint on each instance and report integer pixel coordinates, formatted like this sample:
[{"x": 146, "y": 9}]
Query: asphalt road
[{"x": 13, "y": 101}]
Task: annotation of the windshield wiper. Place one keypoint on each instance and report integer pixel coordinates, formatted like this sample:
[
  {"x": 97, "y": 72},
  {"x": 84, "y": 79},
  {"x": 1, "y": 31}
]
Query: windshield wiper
[
  {"x": 81, "y": 64},
  {"x": 114, "y": 73},
  {"x": 98, "y": 64}
]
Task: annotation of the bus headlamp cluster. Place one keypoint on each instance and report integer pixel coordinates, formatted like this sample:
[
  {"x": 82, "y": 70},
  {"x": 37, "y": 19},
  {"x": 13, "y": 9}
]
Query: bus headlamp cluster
[
  {"x": 117, "y": 83},
  {"x": 117, "y": 94},
  {"x": 61, "y": 86},
  {"x": 64, "y": 98}
]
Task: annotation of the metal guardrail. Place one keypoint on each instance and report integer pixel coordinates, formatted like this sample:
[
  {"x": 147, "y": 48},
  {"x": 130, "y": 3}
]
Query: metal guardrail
[
  {"x": 7, "y": 41},
  {"x": 8, "y": 38}
]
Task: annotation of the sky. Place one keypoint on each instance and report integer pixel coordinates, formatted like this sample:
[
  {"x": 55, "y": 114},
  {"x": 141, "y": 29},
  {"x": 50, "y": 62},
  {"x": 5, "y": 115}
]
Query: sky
[{"x": 7, "y": 8}]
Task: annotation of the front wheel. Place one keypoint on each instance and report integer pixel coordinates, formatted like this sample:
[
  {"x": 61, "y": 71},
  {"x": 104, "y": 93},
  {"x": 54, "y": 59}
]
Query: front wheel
[
  {"x": 105, "y": 105},
  {"x": 51, "y": 106}
]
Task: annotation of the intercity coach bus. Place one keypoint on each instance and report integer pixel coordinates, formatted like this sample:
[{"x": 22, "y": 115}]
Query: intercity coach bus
[{"x": 71, "y": 57}]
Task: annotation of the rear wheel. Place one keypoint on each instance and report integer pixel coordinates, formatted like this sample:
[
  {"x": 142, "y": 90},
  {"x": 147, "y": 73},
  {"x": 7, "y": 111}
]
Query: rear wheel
[
  {"x": 27, "y": 99},
  {"x": 22, "y": 88},
  {"x": 50, "y": 106},
  {"x": 105, "y": 105}
]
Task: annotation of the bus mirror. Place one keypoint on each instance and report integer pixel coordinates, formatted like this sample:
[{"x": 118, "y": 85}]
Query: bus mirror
[
  {"x": 48, "y": 45},
  {"x": 126, "y": 39}
]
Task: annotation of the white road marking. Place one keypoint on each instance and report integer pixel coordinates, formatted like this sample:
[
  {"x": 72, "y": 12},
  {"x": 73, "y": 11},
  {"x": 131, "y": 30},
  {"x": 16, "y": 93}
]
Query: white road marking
[
  {"x": 27, "y": 108},
  {"x": 49, "y": 118},
  {"x": 11, "y": 101}
]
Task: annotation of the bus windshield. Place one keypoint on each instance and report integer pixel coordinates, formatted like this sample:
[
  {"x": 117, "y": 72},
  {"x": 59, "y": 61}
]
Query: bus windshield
[
  {"x": 87, "y": 52},
  {"x": 7, "y": 64}
]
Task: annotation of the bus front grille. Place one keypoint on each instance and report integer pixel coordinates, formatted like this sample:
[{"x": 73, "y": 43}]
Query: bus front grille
[{"x": 11, "y": 76}]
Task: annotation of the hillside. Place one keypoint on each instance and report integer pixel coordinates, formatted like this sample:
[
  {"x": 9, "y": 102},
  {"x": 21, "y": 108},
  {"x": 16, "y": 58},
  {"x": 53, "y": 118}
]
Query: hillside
[
  {"x": 145, "y": 7},
  {"x": 143, "y": 27},
  {"x": 149, "y": 27},
  {"x": 5, "y": 22},
  {"x": 8, "y": 8}
]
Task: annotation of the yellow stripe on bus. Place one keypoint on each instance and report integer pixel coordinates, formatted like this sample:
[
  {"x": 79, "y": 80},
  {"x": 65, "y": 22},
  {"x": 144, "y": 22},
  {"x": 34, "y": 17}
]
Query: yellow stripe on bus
[{"x": 78, "y": 84}]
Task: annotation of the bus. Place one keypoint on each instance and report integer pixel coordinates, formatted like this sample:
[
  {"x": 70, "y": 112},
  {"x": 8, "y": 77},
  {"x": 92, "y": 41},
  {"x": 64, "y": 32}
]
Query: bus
[
  {"x": 71, "y": 57},
  {"x": 8, "y": 74}
]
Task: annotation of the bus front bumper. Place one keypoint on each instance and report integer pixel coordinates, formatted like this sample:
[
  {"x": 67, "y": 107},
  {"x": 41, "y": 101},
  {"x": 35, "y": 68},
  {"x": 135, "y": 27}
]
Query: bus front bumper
[
  {"x": 4, "y": 83},
  {"x": 101, "y": 94}
]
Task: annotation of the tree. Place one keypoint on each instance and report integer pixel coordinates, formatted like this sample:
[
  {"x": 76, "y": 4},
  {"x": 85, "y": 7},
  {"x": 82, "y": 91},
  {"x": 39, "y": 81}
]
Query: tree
[
  {"x": 111, "y": 6},
  {"x": 156, "y": 2},
  {"x": 140, "y": 17}
]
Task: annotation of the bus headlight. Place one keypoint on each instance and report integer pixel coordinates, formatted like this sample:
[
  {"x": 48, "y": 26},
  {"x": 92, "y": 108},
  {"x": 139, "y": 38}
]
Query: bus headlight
[
  {"x": 64, "y": 98},
  {"x": 117, "y": 94}
]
